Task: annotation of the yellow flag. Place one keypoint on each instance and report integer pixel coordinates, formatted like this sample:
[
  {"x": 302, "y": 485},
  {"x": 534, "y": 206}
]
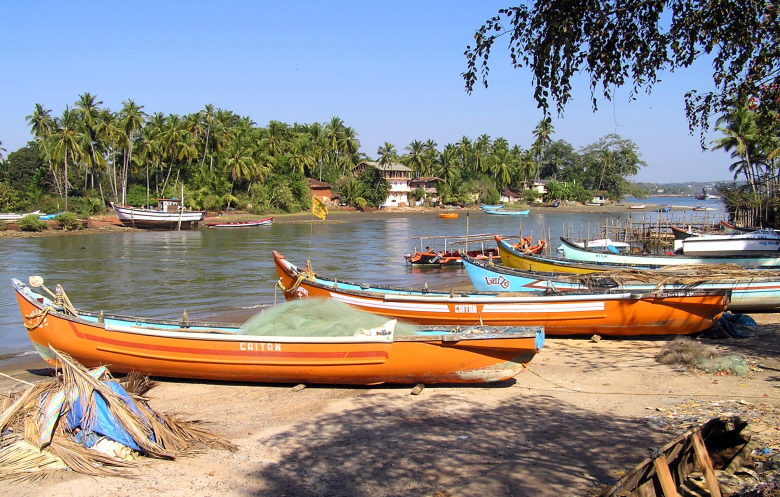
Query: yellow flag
[{"x": 318, "y": 208}]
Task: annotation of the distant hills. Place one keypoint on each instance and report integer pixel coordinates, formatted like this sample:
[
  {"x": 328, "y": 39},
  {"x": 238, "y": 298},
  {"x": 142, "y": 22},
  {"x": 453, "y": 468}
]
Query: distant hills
[{"x": 687, "y": 188}]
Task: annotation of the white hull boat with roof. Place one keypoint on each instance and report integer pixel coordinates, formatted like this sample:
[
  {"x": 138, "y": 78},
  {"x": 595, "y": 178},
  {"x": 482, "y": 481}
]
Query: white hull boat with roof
[
  {"x": 756, "y": 242},
  {"x": 168, "y": 216}
]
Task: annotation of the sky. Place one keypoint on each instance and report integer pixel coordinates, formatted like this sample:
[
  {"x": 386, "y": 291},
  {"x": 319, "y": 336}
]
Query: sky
[{"x": 389, "y": 70}]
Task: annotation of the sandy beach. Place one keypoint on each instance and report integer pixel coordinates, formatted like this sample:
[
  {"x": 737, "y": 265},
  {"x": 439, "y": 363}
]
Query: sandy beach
[{"x": 582, "y": 414}]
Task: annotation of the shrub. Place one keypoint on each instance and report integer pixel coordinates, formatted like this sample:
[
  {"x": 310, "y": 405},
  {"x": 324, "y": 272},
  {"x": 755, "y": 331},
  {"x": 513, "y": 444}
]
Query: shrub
[
  {"x": 69, "y": 221},
  {"x": 3, "y": 226},
  {"x": 31, "y": 222}
]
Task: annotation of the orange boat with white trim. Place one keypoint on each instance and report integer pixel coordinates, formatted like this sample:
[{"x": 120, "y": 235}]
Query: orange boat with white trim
[
  {"x": 614, "y": 314},
  {"x": 220, "y": 352},
  {"x": 448, "y": 215}
]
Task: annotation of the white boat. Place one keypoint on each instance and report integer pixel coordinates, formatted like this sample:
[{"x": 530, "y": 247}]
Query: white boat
[
  {"x": 170, "y": 214},
  {"x": 637, "y": 206},
  {"x": 759, "y": 241},
  {"x": 603, "y": 244},
  {"x": 10, "y": 216}
]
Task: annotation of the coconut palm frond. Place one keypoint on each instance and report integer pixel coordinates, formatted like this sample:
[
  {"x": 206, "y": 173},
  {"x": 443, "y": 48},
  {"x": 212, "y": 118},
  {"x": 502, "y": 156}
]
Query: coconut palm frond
[
  {"x": 22, "y": 403},
  {"x": 189, "y": 435},
  {"x": 20, "y": 459},
  {"x": 135, "y": 423},
  {"x": 88, "y": 461},
  {"x": 137, "y": 384}
]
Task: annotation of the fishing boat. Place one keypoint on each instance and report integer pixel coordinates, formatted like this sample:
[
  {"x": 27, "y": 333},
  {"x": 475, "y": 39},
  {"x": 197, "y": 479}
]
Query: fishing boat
[
  {"x": 429, "y": 257},
  {"x": 10, "y": 216},
  {"x": 613, "y": 314},
  {"x": 504, "y": 212},
  {"x": 751, "y": 289},
  {"x": 702, "y": 208},
  {"x": 488, "y": 207},
  {"x": 170, "y": 214},
  {"x": 448, "y": 215},
  {"x": 189, "y": 349},
  {"x": 47, "y": 217},
  {"x": 637, "y": 206},
  {"x": 576, "y": 253},
  {"x": 242, "y": 224},
  {"x": 603, "y": 244},
  {"x": 681, "y": 234},
  {"x": 687, "y": 464},
  {"x": 742, "y": 244},
  {"x": 514, "y": 258},
  {"x": 731, "y": 229}
]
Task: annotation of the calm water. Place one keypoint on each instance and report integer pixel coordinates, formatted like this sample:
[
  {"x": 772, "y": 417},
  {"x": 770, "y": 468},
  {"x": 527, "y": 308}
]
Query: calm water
[{"x": 226, "y": 274}]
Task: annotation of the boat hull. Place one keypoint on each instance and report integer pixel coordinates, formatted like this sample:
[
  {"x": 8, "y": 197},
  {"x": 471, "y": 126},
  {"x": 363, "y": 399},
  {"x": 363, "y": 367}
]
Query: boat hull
[
  {"x": 749, "y": 294},
  {"x": 172, "y": 351},
  {"x": 246, "y": 224},
  {"x": 604, "y": 314},
  {"x": 153, "y": 219},
  {"x": 738, "y": 245},
  {"x": 576, "y": 253},
  {"x": 529, "y": 262},
  {"x": 503, "y": 212}
]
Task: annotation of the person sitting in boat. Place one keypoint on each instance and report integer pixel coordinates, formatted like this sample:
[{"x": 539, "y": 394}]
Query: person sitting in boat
[{"x": 438, "y": 257}]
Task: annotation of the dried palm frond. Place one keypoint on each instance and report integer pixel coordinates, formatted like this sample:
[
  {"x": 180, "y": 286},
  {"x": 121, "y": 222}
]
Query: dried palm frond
[
  {"x": 187, "y": 436},
  {"x": 135, "y": 423},
  {"x": 22, "y": 403},
  {"x": 137, "y": 384},
  {"x": 87, "y": 461},
  {"x": 19, "y": 458}
]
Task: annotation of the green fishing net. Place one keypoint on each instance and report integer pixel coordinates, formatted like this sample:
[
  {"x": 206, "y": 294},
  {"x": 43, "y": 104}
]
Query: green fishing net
[{"x": 317, "y": 318}]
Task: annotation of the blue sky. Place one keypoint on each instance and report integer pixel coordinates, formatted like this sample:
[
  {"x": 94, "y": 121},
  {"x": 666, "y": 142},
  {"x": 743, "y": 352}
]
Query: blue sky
[{"x": 389, "y": 70}]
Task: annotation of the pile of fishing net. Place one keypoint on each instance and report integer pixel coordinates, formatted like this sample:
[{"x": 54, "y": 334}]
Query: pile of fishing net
[
  {"x": 687, "y": 352},
  {"x": 86, "y": 421},
  {"x": 317, "y": 317}
]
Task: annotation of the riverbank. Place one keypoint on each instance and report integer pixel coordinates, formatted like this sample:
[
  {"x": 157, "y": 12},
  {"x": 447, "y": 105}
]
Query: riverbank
[
  {"x": 108, "y": 223},
  {"x": 582, "y": 414}
]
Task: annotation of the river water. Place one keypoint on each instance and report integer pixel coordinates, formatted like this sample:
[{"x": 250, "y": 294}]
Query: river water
[{"x": 228, "y": 274}]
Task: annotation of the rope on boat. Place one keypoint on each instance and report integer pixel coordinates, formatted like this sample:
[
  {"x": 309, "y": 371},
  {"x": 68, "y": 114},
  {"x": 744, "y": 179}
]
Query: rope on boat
[{"x": 40, "y": 315}]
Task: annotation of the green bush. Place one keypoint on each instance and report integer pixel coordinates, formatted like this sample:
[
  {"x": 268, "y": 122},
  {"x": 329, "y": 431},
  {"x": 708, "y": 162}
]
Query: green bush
[
  {"x": 3, "y": 226},
  {"x": 31, "y": 222},
  {"x": 69, "y": 221}
]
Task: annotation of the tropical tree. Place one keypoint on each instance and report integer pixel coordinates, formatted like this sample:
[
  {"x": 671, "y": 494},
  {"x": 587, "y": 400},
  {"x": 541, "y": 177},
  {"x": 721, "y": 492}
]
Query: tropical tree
[
  {"x": 542, "y": 140},
  {"x": 630, "y": 42},
  {"x": 42, "y": 126},
  {"x": 741, "y": 138},
  {"x": 66, "y": 140},
  {"x": 131, "y": 120}
]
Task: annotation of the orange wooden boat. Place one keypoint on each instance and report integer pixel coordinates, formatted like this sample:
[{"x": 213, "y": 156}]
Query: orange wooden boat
[
  {"x": 448, "y": 215},
  {"x": 219, "y": 352},
  {"x": 615, "y": 314}
]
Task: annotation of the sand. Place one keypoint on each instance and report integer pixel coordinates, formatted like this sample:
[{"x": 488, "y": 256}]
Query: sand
[{"x": 584, "y": 412}]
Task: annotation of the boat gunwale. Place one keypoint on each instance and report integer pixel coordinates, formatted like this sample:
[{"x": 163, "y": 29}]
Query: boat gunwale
[
  {"x": 478, "y": 297},
  {"x": 752, "y": 255},
  {"x": 211, "y": 334}
]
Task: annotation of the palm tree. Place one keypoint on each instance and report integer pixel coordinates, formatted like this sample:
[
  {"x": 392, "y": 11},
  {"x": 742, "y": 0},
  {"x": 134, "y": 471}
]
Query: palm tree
[
  {"x": 131, "y": 120},
  {"x": 542, "y": 134},
  {"x": 741, "y": 135},
  {"x": 88, "y": 109},
  {"x": 67, "y": 143},
  {"x": 415, "y": 159},
  {"x": 387, "y": 154},
  {"x": 42, "y": 126}
]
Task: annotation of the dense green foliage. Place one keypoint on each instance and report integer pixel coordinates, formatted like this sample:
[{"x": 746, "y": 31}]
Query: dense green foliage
[
  {"x": 91, "y": 155},
  {"x": 31, "y": 222}
]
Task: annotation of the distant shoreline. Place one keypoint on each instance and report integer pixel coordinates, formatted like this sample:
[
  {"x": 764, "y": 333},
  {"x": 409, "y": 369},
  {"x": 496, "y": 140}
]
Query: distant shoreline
[{"x": 108, "y": 223}]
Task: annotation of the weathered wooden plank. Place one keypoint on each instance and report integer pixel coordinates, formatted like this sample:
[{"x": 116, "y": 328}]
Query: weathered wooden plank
[{"x": 703, "y": 458}]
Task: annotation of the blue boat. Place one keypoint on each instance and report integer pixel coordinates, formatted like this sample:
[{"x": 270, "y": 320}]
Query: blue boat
[
  {"x": 46, "y": 217},
  {"x": 488, "y": 207},
  {"x": 751, "y": 290},
  {"x": 503, "y": 212}
]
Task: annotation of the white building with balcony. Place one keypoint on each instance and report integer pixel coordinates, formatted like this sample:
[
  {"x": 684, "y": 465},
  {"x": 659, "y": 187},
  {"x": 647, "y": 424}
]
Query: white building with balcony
[{"x": 398, "y": 176}]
